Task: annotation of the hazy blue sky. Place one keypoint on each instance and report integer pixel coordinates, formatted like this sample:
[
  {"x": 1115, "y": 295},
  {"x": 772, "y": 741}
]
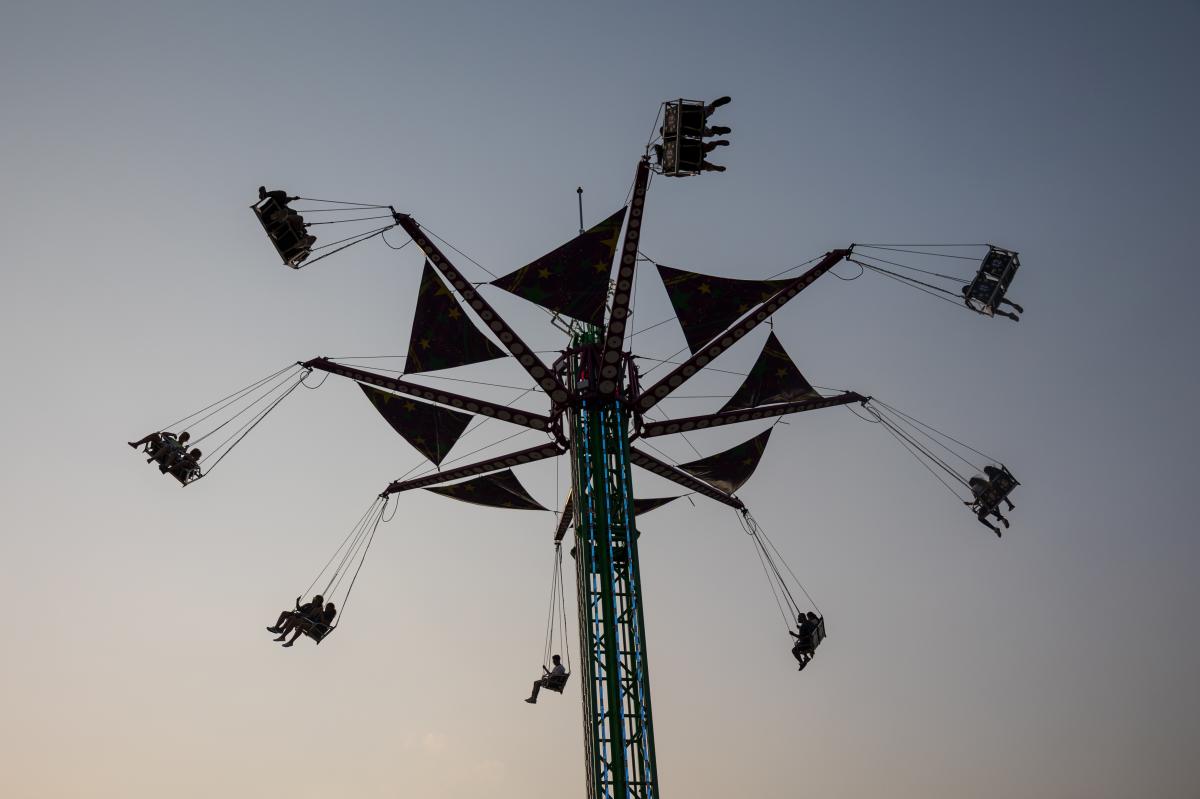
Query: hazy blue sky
[{"x": 1059, "y": 662}]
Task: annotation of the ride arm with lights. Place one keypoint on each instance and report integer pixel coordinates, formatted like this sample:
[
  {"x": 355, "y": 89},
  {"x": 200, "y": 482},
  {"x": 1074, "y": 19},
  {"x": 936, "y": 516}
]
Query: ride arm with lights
[
  {"x": 689, "y": 423},
  {"x": 448, "y": 399},
  {"x": 509, "y": 339},
  {"x": 734, "y": 333}
]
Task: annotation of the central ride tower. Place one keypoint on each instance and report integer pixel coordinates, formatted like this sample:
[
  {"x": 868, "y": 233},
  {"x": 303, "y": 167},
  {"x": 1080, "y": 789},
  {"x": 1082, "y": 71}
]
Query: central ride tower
[{"x": 615, "y": 679}]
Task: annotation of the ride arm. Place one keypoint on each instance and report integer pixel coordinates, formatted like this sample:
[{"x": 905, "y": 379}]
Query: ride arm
[
  {"x": 541, "y": 451},
  {"x": 564, "y": 521},
  {"x": 470, "y": 404},
  {"x": 614, "y": 338},
  {"x": 689, "y": 423},
  {"x": 734, "y": 333},
  {"x": 663, "y": 469},
  {"x": 530, "y": 362}
]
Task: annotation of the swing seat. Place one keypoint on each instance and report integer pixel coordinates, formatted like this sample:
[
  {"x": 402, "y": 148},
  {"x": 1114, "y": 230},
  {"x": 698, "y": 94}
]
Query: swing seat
[
  {"x": 809, "y": 643},
  {"x": 998, "y": 489},
  {"x": 1004, "y": 482},
  {"x": 166, "y": 447},
  {"x": 992, "y": 280},
  {"x": 285, "y": 228},
  {"x": 556, "y": 684},
  {"x": 186, "y": 474},
  {"x": 317, "y": 631}
]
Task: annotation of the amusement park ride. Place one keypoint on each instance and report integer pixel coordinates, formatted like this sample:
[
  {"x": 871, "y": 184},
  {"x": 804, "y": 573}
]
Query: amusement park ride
[{"x": 599, "y": 414}]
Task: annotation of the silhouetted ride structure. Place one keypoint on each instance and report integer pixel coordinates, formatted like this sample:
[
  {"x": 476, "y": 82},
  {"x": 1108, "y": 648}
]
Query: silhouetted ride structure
[{"x": 599, "y": 416}]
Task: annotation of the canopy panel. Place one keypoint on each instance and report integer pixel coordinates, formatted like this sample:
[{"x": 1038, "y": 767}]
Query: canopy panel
[
  {"x": 498, "y": 490},
  {"x": 573, "y": 279},
  {"x": 644, "y": 506},
  {"x": 430, "y": 429},
  {"x": 773, "y": 378},
  {"x": 706, "y": 305},
  {"x": 727, "y": 471},
  {"x": 442, "y": 335}
]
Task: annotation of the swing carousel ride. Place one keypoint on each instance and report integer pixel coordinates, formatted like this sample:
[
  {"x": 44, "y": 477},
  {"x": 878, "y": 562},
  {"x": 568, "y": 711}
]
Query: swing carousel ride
[{"x": 603, "y": 412}]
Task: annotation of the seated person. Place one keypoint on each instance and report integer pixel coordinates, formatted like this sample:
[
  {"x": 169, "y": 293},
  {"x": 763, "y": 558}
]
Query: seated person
[
  {"x": 1002, "y": 481},
  {"x": 322, "y": 628},
  {"x": 278, "y": 196},
  {"x": 801, "y": 655},
  {"x": 185, "y": 467},
  {"x": 802, "y": 650},
  {"x": 150, "y": 441},
  {"x": 298, "y": 242},
  {"x": 984, "y": 504},
  {"x": 308, "y": 613},
  {"x": 315, "y": 626},
  {"x": 161, "y": 444},
  {"x": 554, "y": 679},
  {"x": 806, "y": 637},
  {"x": 982, "y": 292}
]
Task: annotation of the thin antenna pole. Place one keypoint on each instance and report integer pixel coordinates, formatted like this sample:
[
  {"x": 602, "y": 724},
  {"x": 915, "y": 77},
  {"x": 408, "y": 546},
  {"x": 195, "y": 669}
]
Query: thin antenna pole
[{"x": 579, "y": 191}]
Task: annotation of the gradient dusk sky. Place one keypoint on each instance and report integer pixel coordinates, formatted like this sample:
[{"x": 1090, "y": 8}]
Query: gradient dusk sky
[{"x": 1059, "y": 662}]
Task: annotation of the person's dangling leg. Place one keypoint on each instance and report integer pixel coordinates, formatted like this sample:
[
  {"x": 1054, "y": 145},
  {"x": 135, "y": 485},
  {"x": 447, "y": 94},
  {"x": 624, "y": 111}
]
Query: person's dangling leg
[
  {"x": 983, "y": 520},
  {"x": 277, "y": 627},
  {"x": 294, "y": 622}
]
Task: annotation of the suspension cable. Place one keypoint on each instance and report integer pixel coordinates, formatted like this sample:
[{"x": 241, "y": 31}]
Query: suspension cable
[
  {"x": 361, "y": 561},
  {"x": 230, "y": 398},
  {"x": 339, "y": 549},
  {"x": 251, "y": 425}
]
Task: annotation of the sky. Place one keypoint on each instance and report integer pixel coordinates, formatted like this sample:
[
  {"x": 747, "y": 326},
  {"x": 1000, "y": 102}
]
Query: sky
[{"x": 136, "y": 287}]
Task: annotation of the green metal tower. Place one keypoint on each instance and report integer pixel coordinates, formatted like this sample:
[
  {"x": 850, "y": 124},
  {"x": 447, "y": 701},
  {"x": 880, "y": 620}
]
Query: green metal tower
[{"x": 617, "y": 717}]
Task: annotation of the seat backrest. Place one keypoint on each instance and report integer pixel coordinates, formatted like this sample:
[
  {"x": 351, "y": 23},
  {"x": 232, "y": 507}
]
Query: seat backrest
[
  {"x": 819, "y": 635},
  {"x": 556, "y": 682}
]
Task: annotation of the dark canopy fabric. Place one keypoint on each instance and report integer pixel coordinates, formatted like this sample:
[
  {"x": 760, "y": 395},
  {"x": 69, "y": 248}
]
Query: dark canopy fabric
[
  {"x": 430, "y": 429},
  {"x": 727, "y": 471},
  {"x": 497, "y": 490},
  {"x": 773, "y": 378},
  {"x": 644, "y": 506},
  {"x": 573, "y": 279},
  {"x": 707, "y": 305},
  {"x": 442, "y": 335}
]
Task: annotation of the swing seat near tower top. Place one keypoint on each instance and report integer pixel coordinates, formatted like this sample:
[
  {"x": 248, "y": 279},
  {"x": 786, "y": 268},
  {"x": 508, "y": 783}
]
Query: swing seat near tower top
[
  {"x": 284, "y": 226},
  {"x": 989, "y": 288},
  {"x": 1000, "y": 483},
  {"x": 598, "y": 399}
]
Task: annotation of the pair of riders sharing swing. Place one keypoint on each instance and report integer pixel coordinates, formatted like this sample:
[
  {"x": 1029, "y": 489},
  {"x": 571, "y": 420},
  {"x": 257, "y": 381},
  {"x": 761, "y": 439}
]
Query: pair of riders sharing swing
[
  {"x": 313, "y": 619},
  {"x": 171, "y": 453},
  {"x": 988, "y": 492},
  {"x": 810, "y": 631}
]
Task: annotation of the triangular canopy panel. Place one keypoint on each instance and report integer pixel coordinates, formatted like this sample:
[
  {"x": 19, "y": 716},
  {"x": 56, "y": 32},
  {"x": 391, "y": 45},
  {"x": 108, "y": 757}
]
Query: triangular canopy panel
[
  {"x": 573, "y": 279},
  {"x": 773, "y": 378},
  {"x": 442, "y": 335},
  {"x": 727, "y": 471},
  {"x": 644, "y": 506},
  {"x": 430, "y": 429},
  {"x": 707, "y": 305},
  {"x": 498, "y": 490}
]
